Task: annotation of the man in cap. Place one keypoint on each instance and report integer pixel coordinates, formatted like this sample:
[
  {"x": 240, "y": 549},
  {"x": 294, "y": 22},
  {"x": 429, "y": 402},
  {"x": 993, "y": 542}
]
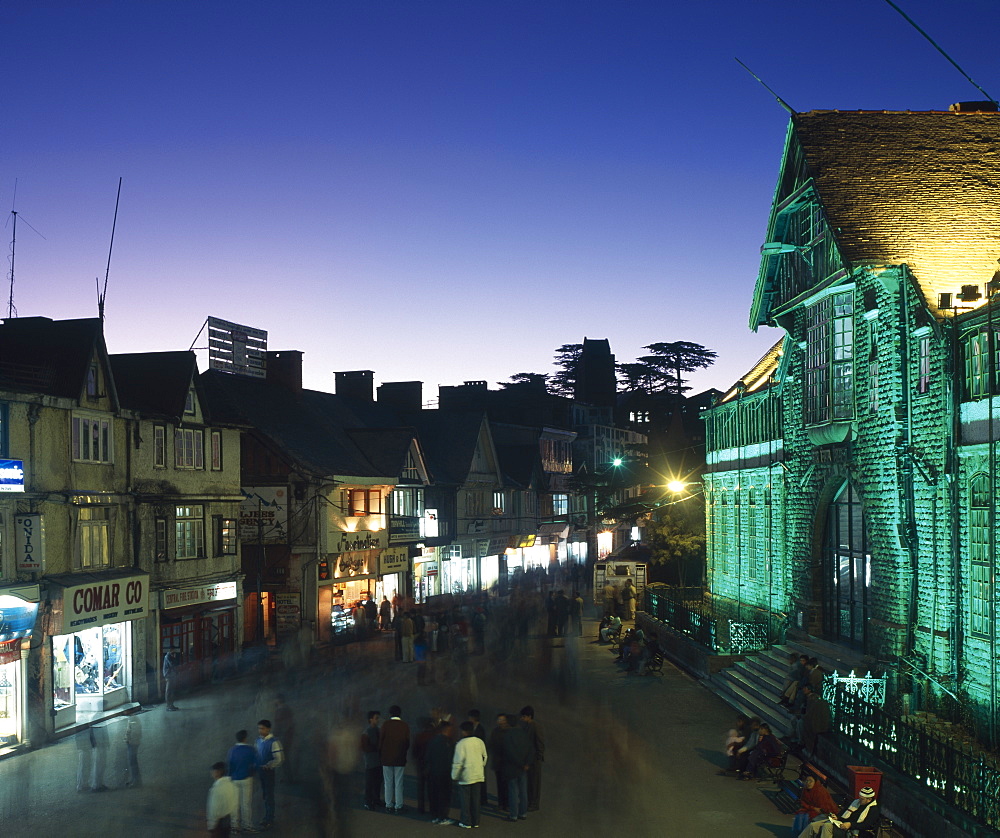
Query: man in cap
[{"x": 859, "y": 819}]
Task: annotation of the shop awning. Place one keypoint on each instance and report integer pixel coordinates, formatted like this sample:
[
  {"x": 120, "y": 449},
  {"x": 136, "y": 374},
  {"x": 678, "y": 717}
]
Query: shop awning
[{"x": 18, "y": 610}]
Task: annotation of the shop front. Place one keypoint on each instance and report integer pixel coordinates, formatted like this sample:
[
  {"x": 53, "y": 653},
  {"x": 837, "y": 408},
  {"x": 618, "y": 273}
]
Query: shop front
[
  {"x": 395, "y": 572},
  {"x": 18, "y": 610},
  {"x": 96, "y": 651},
  {"x": 198, "y": 624},
  {"x": 352, "y": 579},
  {"x": 426, "y": 578}
]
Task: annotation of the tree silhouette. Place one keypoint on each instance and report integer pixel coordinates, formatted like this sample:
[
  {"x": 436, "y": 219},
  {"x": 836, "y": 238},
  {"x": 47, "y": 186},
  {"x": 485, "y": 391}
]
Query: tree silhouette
[
  {"x": 670, "y": 361},
  {"x": 563, "y": 382}
]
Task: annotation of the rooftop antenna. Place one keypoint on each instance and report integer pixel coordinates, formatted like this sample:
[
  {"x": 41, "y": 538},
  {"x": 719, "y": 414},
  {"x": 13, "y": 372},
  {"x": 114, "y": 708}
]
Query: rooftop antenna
[
  {"x": 952, "y": 61},
  {"x": 11, "y": 310},
  {"x": 780, "y": 101},
  {"x": 102, "y": 293}
]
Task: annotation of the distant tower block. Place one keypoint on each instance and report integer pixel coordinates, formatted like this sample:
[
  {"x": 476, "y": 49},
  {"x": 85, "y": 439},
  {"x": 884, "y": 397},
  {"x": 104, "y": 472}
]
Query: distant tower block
[{"x": 595, "y": 379}]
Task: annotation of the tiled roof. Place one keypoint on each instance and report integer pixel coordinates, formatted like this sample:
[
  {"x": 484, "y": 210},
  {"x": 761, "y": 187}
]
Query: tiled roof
[
  {"x": 760, "y": 376},
  {"x": 41, "y": 355},
  {"x": 920, "y": 188}
]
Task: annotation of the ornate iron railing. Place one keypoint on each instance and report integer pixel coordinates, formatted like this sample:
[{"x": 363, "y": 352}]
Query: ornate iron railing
[
  {"x": 715, "y": 625},
  {"x": 954, "y": 770},
  {"x": 867, "y": 688},
  {"x": 682, "y": 619},
  {"x": 747, "y": 637}
]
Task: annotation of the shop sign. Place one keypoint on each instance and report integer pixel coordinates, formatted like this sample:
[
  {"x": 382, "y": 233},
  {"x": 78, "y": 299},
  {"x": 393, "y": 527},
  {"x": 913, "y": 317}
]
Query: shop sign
[
  {"x": 403, "y": 526},
  {"x": 29, "y": 542},
  {"x": 11, "y": 475},
  {"x": 180, "y": 597},
  {"x": 429, "y": 524},
  {"x": 353, "y": 565},
  {"x": 523, "y": 541},
  {"x": 394, "y": 560},
  {"x": 497, "y": 545},
  {"x": 264, "y": 514},
  {"x": 346, "y": 542},
  {"x": 101, "y": 603},
  {"x": 18, "y": 610},
  {"x": 287, "y": 612}
]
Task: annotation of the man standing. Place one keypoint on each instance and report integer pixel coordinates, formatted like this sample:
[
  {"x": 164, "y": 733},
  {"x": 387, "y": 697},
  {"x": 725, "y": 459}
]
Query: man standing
[
  {"x": 133, "y": 738},
  {"x": 169, "y": 678},
  {"x": 496, "y": 756},
  {"x": 221, "y": 802},
  {"x": 480, "y": 732},
  {"x": 440, "y": 754},
  {"x": 373, "y": 766},
  {"x": 242, "y": 763},
  {"x": 284, "y": 723},
  {"x": 269, "y": 757},
  {"x": 517, "y": 758},
  {"x": 468, "y": 770},
  {"x": 576, "y": 612},
  {"x": 628, "y": 600},
  {"x": 393, "y": 745},
  {"x": 385, "y": 614},
  {"x": 535, "y": 767}
]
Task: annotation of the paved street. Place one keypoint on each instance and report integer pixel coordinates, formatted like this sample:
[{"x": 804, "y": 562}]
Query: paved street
[{"x": 631, "y": 753}]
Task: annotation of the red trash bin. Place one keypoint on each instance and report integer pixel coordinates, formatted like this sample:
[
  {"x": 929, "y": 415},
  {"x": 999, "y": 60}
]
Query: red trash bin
[{"x": 864, "y": 775}]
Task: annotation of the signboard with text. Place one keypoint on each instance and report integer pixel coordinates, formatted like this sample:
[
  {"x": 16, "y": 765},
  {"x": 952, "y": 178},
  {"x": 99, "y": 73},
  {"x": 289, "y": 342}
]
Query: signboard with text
[
  {"x": 11, "y": 475},
  {"x": 100, "y": 603},
  {"x": 29, "y": 543},
  {"x": 236, "y": 349},
  {"x": 264, "y": 514},
  {"x": 180, "y": 597},
  {"x": 394, "y": 560}
]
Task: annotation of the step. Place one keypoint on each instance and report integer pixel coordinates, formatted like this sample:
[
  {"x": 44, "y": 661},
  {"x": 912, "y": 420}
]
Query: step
[
  {"x": 833, "y": 658},
  {"x": 766, "y": 681},
  {"x": 752, "y": 702}
]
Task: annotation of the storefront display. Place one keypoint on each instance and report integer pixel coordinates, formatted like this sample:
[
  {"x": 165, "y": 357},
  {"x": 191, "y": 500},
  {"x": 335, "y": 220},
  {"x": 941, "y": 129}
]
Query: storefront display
[
  {"x": 18, "y": 610},
  {"x": 198, "y": 623},
  {"x": 92, "y": 655}
]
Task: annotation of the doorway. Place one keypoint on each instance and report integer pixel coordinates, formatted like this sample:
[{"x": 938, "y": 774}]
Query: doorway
[{"x": 846, "y": 569}]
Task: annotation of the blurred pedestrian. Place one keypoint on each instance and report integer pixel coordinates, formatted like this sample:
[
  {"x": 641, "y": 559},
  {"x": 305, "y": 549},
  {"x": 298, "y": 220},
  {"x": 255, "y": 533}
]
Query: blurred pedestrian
[
  {"x": 222, "y": 802},
  {"x": 428, "y": 730},
  {"x": 535, "y": 766},
  {"x": 371, "y": 613},
  {"x": 576, "y": 613},
  {"x": 372, "y": 763},
  {"x": 101, "y": 744},
  {"x": 284, "y": 726},
  {"x": 562, "y": 608},
  {"x": 394, "y": 742},
  {"x": 169, "y": 671},
  {"x": 270, "y": 755},
  {"x": 242, "y": 764},
  {"x": 468, "y": 769},
  {"x": 385, "y": 614},
  {"x": 440, "y": 754},
  {"x": 628, "y": 596},
  {"x": 132, "y": 739},
  {"x": 479, "y": 631},
  {"x": 84, "y": 758},
  {"x": 407, "y": 633}
]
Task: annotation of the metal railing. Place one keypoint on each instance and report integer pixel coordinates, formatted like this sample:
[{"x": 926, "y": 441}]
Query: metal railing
[
  {"x": 955, "y": 770},
  {"x": 718, "y": 625}
]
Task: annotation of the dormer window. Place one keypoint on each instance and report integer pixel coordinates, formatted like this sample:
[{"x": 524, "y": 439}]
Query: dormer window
[
  {"x": 829, "y": 392},
  {"x": 92, "y": 382},
  {"x": 189, "y": 403}
]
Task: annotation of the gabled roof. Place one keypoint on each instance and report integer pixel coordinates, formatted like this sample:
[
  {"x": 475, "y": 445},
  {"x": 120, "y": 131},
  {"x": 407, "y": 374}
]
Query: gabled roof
[
  {"x": 449, "y": 440},
  {"x": 914, "y": 188},
  {"x": 385, "y": 448},
  {"x": 313, "y": 429},
  {"x": 155, "y": 383},
  {"x": 40, "y": 355}
]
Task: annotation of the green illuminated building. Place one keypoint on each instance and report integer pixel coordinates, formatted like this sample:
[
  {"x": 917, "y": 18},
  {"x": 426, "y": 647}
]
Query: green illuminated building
[{"x": 852, "y": 473}]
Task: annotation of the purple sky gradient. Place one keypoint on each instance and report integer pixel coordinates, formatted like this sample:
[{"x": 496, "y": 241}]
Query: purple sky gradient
[{"x": 439, "y": 191}]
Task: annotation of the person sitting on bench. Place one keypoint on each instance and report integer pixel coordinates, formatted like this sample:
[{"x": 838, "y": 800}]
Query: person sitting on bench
[
  {"x": 613, "y": 627},
  {"x": 767, "y": 747},
  {"x": 860, "y": 818}
]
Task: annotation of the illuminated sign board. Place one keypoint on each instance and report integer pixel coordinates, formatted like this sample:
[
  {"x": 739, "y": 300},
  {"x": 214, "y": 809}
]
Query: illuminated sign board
[
  {"x": 99, "y": 603},
  {"x": 179, "y": 597},
  {"x": 11, "y": 475}
]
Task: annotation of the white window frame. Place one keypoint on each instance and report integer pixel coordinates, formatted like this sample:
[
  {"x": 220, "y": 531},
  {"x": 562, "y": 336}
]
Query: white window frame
[
  {"x": 92, "y": 439},
  {"x": 189, "y": 448},
  {"x": 94, "y": 536},
  {"x": 159, "y": 446},
  {"x": 189, "y": 529}
]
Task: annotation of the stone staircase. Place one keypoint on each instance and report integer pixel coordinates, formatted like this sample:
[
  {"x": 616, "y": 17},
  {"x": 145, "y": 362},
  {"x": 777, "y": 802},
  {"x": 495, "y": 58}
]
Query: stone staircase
[{"x": 753, "y": 685}]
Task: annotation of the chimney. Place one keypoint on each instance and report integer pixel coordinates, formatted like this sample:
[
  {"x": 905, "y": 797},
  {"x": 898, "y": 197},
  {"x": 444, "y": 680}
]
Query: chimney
[
  {"x": 356, "y": 384},
  {"x": 974, "y": 107},
  {"x": 401, "y": 395},
  {"x": 284, "y": 367}
]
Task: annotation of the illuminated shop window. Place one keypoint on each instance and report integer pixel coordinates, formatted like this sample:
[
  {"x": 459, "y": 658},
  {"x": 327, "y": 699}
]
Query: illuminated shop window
[{"x": 94, "y": 527}]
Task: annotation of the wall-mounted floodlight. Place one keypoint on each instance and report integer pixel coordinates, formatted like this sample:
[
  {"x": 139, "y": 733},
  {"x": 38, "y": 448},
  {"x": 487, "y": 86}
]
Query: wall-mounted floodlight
[{"x": 774, "y": 248}]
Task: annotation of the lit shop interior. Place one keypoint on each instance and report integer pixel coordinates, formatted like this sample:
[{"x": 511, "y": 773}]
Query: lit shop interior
[{"x": 91, "y": 672}]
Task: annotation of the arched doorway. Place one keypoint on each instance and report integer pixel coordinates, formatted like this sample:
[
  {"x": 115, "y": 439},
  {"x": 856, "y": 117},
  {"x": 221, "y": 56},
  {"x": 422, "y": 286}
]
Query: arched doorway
[{"x": 846, "y": 565}]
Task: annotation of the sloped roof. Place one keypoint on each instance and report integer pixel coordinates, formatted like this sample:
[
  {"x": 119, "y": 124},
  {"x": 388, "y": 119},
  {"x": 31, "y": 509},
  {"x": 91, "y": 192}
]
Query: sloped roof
[
  {"x": 154, "y": 383},
  {"x": 914, "y": 188},
  {"x": 449, "y": 439},
  {"x": 760, "y": 375},
  {"x": 312, "y": 428},
  {"x": 40, "y": 355}
]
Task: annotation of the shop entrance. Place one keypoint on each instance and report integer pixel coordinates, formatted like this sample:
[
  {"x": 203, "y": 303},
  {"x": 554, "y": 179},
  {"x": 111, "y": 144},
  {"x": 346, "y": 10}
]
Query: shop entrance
[
  {"x": 91, "y": 672},
  {"x": 205, "y": 646}
]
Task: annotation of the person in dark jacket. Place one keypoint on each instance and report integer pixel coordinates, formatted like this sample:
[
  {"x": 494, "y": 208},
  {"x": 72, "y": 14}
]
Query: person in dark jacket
[
  {"x": 495, "y": 750},
  {"x": 372, "y": 763},
  {"x": 428, "y": 730},
  {"x": 518, "y": 755},
  {"x": 767, "y": 747},
  {"x": 440, "y": 751},
  {"x": 393, "y": 744},
  {"x": 535, "y": 769}
]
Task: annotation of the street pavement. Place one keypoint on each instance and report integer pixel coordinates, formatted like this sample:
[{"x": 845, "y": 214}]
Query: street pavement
[{"x": 623, "y": 753}]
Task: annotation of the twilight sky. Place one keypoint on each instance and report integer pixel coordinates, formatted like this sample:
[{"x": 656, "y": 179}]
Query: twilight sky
[{"x": 434, "y": 190}]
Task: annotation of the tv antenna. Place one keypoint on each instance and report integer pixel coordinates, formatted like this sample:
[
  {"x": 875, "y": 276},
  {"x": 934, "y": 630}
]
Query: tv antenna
[
  {"x": 951, "y": 60},
  {"x": 780, "y": 101},
  {"x": 11, "y": 310},
  {"x": 102, "y": 292}
]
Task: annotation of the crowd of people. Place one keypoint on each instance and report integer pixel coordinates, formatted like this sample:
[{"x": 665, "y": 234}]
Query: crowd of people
[{"x": 451, "y": 762}]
